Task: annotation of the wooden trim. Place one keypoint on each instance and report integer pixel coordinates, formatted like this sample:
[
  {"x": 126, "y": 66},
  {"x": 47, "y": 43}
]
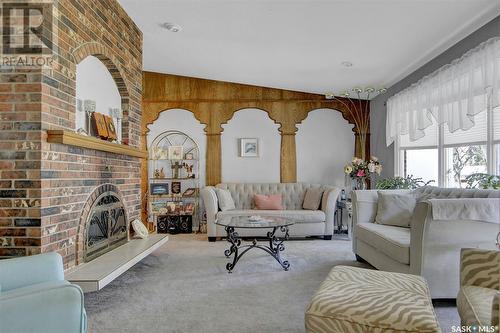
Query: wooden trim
[
  {"x": 78, "y": 140},
  {"x": 213, "y": 103}
]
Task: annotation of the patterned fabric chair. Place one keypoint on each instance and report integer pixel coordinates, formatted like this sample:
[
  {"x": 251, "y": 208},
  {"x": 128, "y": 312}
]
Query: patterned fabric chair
[
  {"x": 478, "y": 301},
  {"x": 354, "y": 300}
]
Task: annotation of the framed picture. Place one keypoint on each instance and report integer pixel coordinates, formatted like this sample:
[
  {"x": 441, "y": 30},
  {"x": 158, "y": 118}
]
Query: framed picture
[
  {"x": 189, "y": 209},
  {"x": 157, "y": 205},
  {"x": 189, "y": 156},
  {"x": 159, "y": 188},
  {"x": 110, "y": 127},
  {"x": 101, "y": 129},
  {"x": 249, "y": 147},
  {"x": 175, "y": 152},
  {"x": 171, "y": 207},
  {"x": 176, "y": 187}
]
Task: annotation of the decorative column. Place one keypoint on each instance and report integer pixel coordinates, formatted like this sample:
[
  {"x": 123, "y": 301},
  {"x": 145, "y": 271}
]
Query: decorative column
[
  {"x": 288, "y": 160},
  {"x": 213, "y": 161}
]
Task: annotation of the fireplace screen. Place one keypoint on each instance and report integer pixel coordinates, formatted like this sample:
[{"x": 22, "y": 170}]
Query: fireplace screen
[{"x": 106, "y": 226}]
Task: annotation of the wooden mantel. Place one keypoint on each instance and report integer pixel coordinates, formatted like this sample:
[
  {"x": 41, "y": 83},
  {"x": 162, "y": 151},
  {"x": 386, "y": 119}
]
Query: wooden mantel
[{"x": 78, "y": 140}]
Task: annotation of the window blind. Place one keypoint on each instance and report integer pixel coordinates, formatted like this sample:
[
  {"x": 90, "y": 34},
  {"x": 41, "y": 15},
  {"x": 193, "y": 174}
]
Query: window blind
[{"x": 478, "y": 133}]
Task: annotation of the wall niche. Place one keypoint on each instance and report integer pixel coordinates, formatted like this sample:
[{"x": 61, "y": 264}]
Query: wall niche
[{"x": 95, "y": 86}]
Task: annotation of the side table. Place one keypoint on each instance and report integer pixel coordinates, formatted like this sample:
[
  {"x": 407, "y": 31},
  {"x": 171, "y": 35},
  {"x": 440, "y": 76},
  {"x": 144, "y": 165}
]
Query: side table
[{"x": 339, "y": 217}]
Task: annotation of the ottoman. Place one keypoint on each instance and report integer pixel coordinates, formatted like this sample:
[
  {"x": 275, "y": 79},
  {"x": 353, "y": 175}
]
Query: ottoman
[{"x": 363, "y": 300}]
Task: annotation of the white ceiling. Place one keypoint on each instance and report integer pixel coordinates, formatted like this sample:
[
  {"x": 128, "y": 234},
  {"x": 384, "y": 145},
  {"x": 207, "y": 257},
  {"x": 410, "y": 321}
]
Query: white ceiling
[{"x": 299, "y": 45}]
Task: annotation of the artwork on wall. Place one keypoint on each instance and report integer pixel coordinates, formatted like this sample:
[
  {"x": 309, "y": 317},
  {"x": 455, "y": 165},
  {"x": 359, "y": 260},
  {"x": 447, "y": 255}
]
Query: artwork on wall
[
  {"x": 175, "y": 152},
  {"x": 159, "y": 188},
  {"x": 249, "y": 147}
]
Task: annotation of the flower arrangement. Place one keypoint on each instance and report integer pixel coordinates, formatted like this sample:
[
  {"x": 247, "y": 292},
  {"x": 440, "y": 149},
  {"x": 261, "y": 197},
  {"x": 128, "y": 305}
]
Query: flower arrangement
[{"x": 360, "y": 168}]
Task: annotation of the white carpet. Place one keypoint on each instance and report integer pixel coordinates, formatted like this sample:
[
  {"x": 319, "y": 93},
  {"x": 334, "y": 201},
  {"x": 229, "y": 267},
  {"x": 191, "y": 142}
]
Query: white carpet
[{"x": 184, "y": 287}]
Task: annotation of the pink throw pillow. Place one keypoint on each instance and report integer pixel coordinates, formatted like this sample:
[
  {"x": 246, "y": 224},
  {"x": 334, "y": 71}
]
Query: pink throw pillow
[{"x": 269, "y": 202}]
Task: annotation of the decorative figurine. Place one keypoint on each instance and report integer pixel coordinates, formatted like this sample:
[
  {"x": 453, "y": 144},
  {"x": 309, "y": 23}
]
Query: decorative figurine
[
  {"x": 189, "y": 169},
  {"x": 175, "y": 169},
  {"x": 159, "y": 173}
]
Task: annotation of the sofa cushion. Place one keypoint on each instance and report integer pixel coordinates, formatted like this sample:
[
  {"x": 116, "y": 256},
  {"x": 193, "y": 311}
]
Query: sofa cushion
[
  {"x": 226, "y": 201},
  {"x": 390, "y": 240},
  {"x": 395, "y": 209},
  {"x": 475, "y": 305},
  {"x": 312, "y": 198},
  {"x": 298, "y": 216},
  {"x": 293, "y": 193},
  {"x": 268, "y": 202}
]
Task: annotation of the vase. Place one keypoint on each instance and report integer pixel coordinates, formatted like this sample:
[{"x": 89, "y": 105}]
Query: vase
[{"x": 359, "y": 183}]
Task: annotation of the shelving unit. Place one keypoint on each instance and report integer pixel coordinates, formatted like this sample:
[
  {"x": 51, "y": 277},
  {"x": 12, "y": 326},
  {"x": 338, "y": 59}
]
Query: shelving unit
[{"x": 169, "y": 174}]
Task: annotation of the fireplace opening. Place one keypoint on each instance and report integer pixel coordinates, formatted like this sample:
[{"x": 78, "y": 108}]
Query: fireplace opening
[{"x": 106, "y": 226}]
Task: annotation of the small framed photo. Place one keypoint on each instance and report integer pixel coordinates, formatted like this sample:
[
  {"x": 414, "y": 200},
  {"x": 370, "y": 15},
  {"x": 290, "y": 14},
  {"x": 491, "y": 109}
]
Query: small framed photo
[
  {"x": 249, "y": 147},
  {"x": 175, "y": 152},
  {"x": 176, "y": 187},
  {"x": 159, "y": 188},
  {"x": 157, "y": 206},
  {"x": 189, "y": 156},
  {"x": 171, "y": 207}
]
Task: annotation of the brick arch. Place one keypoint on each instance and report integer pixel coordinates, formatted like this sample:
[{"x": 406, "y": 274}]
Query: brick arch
[
  {"x": 81, "y": 230},
  {"x": 109, "y": 60}
]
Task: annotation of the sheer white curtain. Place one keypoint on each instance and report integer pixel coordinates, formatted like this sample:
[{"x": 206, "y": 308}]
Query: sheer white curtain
[{"x": 453, "y": 94}]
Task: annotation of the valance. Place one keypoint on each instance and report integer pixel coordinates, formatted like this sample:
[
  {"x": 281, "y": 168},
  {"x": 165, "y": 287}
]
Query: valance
[{"x": 451, "y": 95}]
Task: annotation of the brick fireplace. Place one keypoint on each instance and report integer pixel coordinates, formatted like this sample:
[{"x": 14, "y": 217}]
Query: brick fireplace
[{"x": 46, "y": 185}]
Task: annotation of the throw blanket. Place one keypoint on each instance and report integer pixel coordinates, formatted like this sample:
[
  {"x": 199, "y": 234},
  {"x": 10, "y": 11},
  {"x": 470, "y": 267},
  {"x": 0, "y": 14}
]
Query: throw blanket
[{"x": 478, "y": 209}]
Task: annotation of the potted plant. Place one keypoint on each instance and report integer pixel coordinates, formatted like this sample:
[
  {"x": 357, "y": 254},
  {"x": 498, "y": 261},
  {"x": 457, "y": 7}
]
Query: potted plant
[{"x": 398, "y": 183}]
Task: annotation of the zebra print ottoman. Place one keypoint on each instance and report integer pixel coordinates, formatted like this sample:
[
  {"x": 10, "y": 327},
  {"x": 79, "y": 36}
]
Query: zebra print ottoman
[{"x": 355, "y": 300}]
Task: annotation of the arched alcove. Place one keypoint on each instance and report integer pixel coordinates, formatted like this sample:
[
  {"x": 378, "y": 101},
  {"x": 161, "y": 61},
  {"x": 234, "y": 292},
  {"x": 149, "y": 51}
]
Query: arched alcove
[
  {"x": 183, "y": 121},
  {"x": 251, "y": 123},
  {"x": 95, "y": 82},
  {"x": 324, "y": 144}
]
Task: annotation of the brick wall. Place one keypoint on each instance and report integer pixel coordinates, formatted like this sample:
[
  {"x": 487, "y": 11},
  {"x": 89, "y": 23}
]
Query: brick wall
[{"x": 44, "y": 186}]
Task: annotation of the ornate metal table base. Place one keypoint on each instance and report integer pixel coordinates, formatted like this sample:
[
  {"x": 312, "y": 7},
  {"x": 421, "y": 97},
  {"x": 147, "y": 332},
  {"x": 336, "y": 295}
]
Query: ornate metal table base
[{"x": 274, "y": 248}]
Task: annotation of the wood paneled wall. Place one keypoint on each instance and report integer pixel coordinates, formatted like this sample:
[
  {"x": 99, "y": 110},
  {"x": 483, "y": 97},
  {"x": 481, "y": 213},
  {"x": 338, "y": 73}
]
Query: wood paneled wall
[{"x": 213, "y": 103}]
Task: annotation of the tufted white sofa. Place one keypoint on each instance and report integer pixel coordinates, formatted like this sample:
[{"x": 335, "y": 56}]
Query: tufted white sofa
[
  {"x": 307, "y": 222},
  {"x": 430, "y": 247}
]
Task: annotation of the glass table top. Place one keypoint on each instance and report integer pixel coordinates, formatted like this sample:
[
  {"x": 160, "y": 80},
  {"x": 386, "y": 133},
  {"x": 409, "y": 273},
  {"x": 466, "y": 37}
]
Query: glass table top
[{"x": 260, "y": 221}]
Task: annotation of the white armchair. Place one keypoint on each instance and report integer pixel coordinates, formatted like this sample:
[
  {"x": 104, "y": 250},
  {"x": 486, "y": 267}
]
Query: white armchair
[{"x": 430, "y": 247}]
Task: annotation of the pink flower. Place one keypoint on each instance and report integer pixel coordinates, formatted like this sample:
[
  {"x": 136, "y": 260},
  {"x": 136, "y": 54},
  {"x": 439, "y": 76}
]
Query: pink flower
[{"x": 361, "y": 173}]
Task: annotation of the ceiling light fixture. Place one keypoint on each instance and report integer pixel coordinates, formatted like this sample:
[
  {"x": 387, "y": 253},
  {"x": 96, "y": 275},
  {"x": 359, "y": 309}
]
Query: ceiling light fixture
[
  {"x": 171, "y": 27},
  {"x": 346, "y": 63}
]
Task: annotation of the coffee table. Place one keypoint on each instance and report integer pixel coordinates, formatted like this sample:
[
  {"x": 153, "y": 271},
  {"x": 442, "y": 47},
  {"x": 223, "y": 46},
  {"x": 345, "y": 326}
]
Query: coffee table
[{"x": 275, "y": 247}]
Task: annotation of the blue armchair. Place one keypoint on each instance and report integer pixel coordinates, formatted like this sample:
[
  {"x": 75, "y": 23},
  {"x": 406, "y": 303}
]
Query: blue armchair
[{"x": 34, "y": 297}]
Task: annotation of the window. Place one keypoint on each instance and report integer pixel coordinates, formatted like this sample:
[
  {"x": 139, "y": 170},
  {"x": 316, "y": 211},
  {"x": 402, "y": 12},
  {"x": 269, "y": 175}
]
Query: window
[
  {"x": 454, "y": 113},
  {"x": 447, "y": 157}
]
